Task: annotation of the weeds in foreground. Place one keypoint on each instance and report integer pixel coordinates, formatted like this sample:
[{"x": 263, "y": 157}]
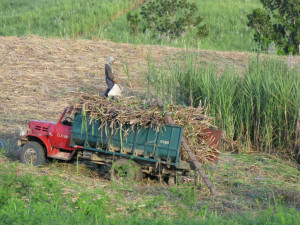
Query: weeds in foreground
[{"x": 29, "y": 197}]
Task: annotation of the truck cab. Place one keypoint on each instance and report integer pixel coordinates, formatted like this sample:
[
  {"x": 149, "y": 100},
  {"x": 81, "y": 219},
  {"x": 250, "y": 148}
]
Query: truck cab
[{"x": 45, "y": 138}]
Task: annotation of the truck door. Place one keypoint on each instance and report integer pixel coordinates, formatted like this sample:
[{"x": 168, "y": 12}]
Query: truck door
[{"x": 62, "y": 132}]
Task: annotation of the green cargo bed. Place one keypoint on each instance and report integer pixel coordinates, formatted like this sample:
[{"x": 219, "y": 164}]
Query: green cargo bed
[{"x": 135, "y": 142}]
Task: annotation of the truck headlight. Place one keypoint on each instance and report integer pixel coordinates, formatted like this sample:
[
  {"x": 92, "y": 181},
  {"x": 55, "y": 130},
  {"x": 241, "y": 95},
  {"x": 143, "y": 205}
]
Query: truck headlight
[{"x": 23, "y": 132}]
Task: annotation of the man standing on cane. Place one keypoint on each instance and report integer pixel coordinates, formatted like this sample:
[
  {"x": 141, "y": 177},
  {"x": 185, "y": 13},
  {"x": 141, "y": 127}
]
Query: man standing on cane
[{"x": 109, "y": 75}]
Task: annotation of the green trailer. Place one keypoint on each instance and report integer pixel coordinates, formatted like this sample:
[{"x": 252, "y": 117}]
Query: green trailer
[{"x": 153, "y": 152}]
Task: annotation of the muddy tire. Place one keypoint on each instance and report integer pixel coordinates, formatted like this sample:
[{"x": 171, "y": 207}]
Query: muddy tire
[
  {"x": 124, "y": 170},
  {"x": 32, "y": 153}
]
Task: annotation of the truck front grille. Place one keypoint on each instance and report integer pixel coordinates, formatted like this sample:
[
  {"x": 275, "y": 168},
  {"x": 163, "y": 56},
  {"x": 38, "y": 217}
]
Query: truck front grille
[{"x": 45, "y": 129}]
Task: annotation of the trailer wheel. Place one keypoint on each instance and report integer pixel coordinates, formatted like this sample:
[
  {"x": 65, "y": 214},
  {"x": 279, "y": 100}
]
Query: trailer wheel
[
  {"x": 32, "y": 153},
  {"x": 171, "y": 181},
  {"x": 126, "y": 170}
]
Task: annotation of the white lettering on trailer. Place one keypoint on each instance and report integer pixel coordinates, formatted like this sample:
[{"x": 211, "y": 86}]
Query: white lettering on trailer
[{"x": 164, "y": 142}]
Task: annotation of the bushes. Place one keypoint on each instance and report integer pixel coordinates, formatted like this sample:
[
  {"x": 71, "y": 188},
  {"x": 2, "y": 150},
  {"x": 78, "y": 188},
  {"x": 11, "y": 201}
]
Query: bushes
[{"x": 167, "y": 18}]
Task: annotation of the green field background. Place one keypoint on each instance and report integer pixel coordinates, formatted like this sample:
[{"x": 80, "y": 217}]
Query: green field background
[{"x": 90, "y": 19}]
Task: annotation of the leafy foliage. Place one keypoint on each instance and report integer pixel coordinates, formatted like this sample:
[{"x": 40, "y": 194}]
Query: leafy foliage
[
  {"x": 167, "y": 18},
  {"x": 279, "y": 22},
  {"x": 134, "y": 22}
]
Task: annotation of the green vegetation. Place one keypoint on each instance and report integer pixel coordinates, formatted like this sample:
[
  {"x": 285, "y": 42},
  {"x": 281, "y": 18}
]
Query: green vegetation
[
  {"x": 259, "y": 108},
  {"x": 278, "y": 22},
  {"x": 59, "y": 18},
  {"x": 167, "y": 19},
  {"x": 226, "y": 22},
  {"x": 267, "y": 190}
]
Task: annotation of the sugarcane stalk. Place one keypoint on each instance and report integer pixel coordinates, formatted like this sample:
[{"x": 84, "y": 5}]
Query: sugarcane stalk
[
  {"x": 196, "y": 163},
  {"x": 297, "y": 139}
]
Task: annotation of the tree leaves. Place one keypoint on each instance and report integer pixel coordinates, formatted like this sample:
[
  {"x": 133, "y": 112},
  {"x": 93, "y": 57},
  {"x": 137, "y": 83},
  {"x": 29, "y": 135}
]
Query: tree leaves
[
  {"x": 168, "y": 18},
  {"x": 260, "y": 22},
  {"x": 279, "y": 21}
]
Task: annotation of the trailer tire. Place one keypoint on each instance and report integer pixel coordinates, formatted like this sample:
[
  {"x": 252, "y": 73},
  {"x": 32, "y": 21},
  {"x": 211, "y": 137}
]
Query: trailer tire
[
  {"x": 126, "y": 170},
  {"x": 32, "y": 153},
  {"x": 171, "y": 181}
]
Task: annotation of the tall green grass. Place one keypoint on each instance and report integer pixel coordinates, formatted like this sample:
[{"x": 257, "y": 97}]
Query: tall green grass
[
  {"x": 59, "y": 18},
  {"x": 226, "y": 21},
  {"x": 259, "y": 108}
]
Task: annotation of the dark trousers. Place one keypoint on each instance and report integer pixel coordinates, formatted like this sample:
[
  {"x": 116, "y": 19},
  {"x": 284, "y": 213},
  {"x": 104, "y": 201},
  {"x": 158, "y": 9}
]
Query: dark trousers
[
  {"x": 110, "y": 85},
  {"x": 106, "y": 92}
]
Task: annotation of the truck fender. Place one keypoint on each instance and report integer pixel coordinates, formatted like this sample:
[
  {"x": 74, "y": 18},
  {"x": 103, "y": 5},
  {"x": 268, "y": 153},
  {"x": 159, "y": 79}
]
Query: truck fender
[{"x": 43, "y": 140}]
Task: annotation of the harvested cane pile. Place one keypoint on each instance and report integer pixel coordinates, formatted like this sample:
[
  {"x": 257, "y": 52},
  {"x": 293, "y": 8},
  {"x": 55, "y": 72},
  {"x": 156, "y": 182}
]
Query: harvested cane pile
[{"x": 130, "y": 110}]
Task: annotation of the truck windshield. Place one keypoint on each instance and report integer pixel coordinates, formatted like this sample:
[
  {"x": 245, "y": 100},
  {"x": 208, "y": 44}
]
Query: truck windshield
[{"x": 68, "y": 118}]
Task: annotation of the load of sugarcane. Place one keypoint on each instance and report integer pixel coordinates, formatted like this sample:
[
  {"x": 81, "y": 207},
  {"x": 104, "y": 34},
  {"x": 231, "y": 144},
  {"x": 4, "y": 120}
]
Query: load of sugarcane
[{"x": 130, "y": 110}]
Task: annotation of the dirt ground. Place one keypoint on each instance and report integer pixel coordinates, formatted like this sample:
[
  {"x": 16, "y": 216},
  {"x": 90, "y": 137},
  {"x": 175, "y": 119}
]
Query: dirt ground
[{"x": 39, "y": 77}]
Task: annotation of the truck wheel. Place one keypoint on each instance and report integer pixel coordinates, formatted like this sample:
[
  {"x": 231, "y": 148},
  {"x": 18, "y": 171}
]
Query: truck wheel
[
  {"x": 32, "y": 153},
  {"x": 126, "y": 170}
]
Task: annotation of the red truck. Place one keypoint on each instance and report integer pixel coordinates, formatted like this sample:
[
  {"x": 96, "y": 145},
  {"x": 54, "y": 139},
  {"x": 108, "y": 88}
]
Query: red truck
[{"x": 152, "y": 152}]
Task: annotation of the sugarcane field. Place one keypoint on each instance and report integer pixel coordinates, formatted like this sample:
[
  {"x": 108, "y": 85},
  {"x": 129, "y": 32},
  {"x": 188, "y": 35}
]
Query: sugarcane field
[{"x": 108, "y": 116}]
